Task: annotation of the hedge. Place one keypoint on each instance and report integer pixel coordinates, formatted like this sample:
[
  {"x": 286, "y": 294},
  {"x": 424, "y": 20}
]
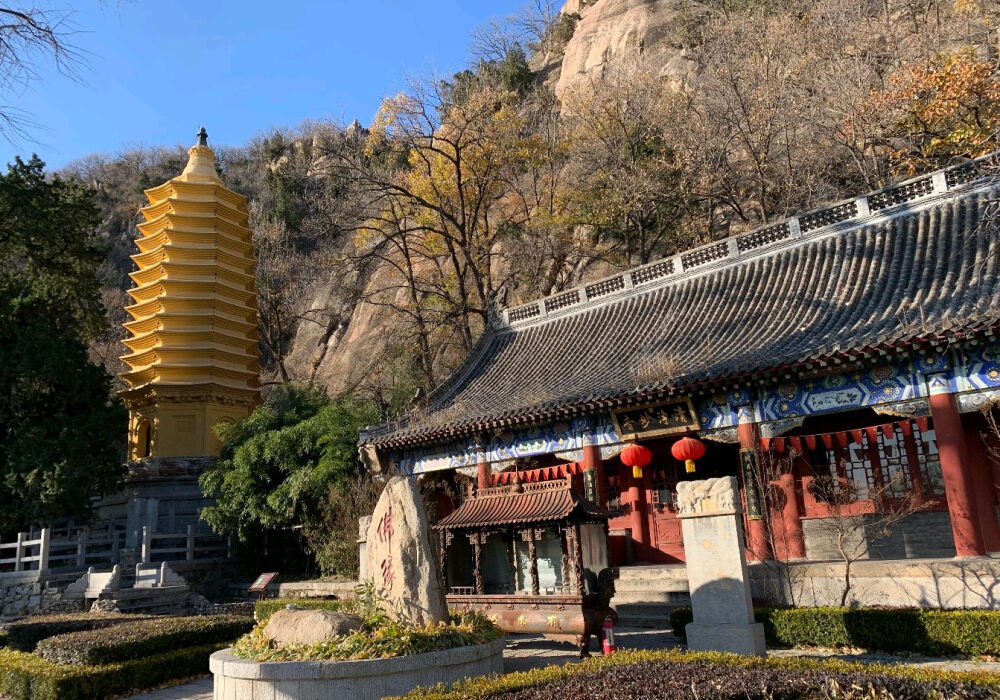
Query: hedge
[
  {"x": 265, "y": 608},
  {"x": 143, "y": 638},
  {"x": 490, "y": 686},
  {"x": 25, "y": 676},
  {"x": 933, "y": 632},
  {"x": 25, "y": 634}
]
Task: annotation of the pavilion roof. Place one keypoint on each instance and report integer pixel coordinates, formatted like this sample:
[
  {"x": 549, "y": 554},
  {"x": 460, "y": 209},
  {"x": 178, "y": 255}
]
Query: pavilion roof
[
  {"x": 906, "y": 268},
  {"x": 522, "y": 504}
]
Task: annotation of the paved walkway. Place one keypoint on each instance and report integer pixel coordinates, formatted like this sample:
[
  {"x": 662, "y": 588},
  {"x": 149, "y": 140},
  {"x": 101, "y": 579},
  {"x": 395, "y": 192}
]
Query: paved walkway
[{"x": 525, "y": 652}]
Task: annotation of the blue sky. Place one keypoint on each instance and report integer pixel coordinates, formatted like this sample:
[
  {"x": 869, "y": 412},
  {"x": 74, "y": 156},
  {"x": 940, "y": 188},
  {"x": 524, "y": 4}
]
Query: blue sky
[{"x": 158, "y": 70}]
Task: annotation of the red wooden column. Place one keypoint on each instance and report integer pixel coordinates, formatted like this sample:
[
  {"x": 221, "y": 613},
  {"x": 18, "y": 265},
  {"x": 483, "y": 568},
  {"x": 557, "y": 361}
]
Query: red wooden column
[
  {"x": 483, "y": 475},
  {"x": 982, "y": 482},
  {"x": 955, "y": 468},
  {"x": 592, "y": 462},
  {"x": 791, "y": 519},
  {"x": 758, "y": 541},
  {"x": 639, "y": 521}
]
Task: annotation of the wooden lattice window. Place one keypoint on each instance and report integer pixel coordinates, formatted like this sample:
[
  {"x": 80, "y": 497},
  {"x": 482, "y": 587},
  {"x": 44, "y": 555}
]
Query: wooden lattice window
[
  {"x": 882, "y": 460},
  {"x": 665, "y": 485}
]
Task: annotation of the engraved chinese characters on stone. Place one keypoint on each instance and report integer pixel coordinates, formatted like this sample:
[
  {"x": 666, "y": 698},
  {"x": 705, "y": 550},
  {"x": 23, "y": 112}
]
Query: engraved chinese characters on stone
[
  {"x": 384, "y": 530},
  {"x": 400, "y": 558}
]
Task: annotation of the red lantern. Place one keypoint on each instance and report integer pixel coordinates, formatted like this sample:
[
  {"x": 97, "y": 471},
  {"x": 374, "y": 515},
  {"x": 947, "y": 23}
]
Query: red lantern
[
  {"x": 688, "y": 450},
  {"x": 637, "y": 457}
]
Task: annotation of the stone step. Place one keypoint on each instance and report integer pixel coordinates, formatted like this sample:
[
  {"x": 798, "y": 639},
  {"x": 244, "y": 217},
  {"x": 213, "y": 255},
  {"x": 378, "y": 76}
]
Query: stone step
[
  {"x": 653, "y": 623},
  {"x": 674, "y": 598},
  {"x": 652, "y": 571},
  {"x": 665, "y": 585},
  {"x": 642, "y": 615}
]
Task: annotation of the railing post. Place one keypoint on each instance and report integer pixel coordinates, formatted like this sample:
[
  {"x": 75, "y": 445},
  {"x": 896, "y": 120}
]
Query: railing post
[
  {"x": 146, "y": 541},
  {"x": 162, "y": 576},
  {"x": 82, "y": 539},
  {"x": 43, "y": 550},
  {"x": 190, "y": 542},
  {"x": 19, "y": 552},
  {"x": 115, "y": 548}
]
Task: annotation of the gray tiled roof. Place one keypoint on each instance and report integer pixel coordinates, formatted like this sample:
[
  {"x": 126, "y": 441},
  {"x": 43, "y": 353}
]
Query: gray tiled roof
[{"x": 905, "y": 265}]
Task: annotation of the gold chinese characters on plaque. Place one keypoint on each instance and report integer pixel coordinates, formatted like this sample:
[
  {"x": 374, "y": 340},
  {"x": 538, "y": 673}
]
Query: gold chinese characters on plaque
[{"x": 667, "y": 418}]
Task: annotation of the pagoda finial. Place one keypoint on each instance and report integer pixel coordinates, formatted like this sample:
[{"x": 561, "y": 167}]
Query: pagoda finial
[{"x": 201, "y": 161}]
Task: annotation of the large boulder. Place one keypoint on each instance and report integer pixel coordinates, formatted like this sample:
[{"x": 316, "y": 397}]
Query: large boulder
[
  {"x": 309, "y": 626},
  {"x": 400, "y": 558}
]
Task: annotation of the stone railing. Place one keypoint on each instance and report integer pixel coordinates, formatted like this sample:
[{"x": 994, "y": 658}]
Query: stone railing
[{"x": 82, "y": 548}]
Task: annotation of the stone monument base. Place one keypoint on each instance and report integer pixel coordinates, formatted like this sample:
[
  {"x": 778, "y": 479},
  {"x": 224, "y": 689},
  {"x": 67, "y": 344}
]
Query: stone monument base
[{"x": 735, "y": 639}]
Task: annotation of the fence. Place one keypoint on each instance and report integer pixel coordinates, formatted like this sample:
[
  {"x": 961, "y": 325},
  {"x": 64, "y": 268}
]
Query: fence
[{"x": 83, "y": 548}]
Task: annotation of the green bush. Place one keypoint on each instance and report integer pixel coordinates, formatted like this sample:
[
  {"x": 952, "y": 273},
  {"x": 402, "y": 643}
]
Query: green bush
[
  {"x": 265, "y": 608},
  {"x": 934, "y": 632},
  {"x": 25, "y": 676},
  {"x": 25, "y": 634},
  {"x": 144, "y": 638}
]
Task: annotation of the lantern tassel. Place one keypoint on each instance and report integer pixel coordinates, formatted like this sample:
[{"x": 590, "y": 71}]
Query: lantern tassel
[
  {"x": 636, "y": 472},
  {"x": 689, "y": 466}
]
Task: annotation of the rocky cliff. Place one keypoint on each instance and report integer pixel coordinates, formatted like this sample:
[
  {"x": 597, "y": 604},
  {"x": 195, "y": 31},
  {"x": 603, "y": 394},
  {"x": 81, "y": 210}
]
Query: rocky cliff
[{"x": 651, "y": 36}]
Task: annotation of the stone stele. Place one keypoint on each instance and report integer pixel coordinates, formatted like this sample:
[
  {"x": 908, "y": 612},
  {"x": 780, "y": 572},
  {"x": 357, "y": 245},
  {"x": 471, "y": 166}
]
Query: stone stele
[
  {"x": 309, "y": 626},
  {"x": 400, "y": 558},
  {"x": 712, "y": 524}
]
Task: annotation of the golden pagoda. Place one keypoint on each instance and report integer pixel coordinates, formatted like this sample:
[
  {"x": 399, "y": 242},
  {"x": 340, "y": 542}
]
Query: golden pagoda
[{"x": 193, "y": 360}]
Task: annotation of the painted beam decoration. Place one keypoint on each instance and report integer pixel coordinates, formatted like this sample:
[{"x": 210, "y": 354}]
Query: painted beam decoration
[
  {"x": 840, "y": 392},
  {"x": 667, "y": 418},
  {"x": 566, "y": 437}
]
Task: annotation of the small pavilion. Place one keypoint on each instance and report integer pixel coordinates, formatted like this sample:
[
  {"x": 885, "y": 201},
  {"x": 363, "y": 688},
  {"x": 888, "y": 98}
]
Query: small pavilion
[{"x": 855, "y": 344}]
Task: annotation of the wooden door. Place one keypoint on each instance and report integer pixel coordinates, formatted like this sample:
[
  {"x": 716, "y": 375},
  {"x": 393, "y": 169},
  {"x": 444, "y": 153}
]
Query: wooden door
[{"x": 666, "y": 539}]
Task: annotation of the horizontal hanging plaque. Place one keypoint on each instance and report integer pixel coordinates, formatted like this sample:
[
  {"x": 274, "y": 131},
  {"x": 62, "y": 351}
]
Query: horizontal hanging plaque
[{"x": 667, "y": 418}]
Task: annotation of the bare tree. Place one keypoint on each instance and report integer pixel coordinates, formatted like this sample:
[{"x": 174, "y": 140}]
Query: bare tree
[
  {"x": 854, "y": 534},
  {"x": 29, "y": 35}
]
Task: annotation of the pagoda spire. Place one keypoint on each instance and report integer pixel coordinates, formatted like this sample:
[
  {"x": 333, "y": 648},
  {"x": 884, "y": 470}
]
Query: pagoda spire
[{"x": 193, "y": 359}]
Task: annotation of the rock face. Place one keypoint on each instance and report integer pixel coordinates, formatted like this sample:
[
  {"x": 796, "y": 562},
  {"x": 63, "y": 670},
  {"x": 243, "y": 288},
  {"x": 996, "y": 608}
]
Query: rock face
[
  {"x": 309, "y": 626},
  {"x": 401, "y": 559},
  {"x": 643, "y": 35}
]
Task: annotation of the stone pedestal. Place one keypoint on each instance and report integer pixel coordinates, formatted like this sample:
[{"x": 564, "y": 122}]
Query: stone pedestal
[{"x": 717, "y": 568}]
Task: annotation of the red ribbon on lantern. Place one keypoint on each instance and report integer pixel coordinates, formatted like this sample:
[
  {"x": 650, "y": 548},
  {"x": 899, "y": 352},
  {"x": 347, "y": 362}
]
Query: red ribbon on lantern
[
  {"x": 687, "y": 450},
  {"x": 637, "y": 457}
]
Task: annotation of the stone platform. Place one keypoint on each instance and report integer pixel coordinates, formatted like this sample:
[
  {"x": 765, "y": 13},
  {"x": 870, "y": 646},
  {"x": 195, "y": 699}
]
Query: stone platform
[{"x": 652, "y": 590}]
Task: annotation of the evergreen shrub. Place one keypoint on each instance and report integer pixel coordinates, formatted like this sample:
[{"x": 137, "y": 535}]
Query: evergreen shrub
[
  {"x": 25, "y": 676},
  {"x": 812, "y": 677},
  {"x": 141, "y": 639},
  {"x": 25, "y": 634},
  {"x": 933, "y": 632}
]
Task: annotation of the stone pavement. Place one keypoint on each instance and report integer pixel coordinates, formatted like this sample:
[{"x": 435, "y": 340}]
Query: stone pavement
[{"x": 525, "y": 652}]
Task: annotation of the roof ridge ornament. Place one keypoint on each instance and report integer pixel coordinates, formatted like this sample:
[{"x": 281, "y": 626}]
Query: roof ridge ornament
[{"x": 497, "y": 305}]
